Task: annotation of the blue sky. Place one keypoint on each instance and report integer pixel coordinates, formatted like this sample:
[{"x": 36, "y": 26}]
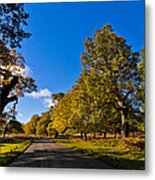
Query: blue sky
[{"x": 59, "y": 30}]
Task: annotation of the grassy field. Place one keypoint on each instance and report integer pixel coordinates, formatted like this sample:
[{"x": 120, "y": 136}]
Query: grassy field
[
  {"x": 11, "y": 149},
  {"x": 120, "y": 154}
]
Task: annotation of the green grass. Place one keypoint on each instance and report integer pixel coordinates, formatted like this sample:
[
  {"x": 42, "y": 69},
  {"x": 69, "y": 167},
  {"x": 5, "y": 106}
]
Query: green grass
[
  {"x": 9, "y": 151},
  {"x": 120, "y": 154}
]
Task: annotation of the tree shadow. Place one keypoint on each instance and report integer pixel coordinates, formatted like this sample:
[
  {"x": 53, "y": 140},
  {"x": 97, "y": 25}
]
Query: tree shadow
[{"x": 62, "y": 158}]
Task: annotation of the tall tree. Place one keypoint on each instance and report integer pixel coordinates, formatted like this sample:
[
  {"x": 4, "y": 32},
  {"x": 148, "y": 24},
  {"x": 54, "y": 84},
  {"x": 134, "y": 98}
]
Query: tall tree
[
  {"x": 108, "y": 55},
  {"x": 42, "y": 124},
  {"x": 141, "y": 72},
  {"x": 62, "y": 113},
  {"x": 13, "y": 81}
]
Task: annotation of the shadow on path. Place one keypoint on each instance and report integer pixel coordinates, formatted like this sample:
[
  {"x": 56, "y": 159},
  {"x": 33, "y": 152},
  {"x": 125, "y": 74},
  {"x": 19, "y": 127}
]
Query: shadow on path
[{"x": 47, "y": 154}]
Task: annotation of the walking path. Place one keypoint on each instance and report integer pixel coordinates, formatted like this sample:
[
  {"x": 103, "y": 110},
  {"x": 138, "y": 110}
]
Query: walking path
[{"x": 44, "y": 153}]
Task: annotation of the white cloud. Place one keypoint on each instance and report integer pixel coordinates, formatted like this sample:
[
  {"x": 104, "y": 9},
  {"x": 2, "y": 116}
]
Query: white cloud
[
  {"x": 20, "y": 115},
  {"x": 40, "y": 94},
  {"x": 48, "y": 102},
  {"x": 45, "y": 96}
]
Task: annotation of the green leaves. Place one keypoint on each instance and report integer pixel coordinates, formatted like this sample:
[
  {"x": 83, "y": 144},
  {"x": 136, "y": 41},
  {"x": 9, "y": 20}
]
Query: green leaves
[
  {"x": 13, "y": 79},
  {"x": 106, "y": 95},
  {"x": 30, "y": 127},
  {"x": 13, "y": 18}
]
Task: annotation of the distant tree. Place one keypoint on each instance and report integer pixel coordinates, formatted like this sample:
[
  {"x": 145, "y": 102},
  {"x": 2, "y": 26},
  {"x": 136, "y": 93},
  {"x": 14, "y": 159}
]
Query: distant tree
[
  {"x": 15, "y": 127},
  {"x": 58, "y": 96},
  {"x": 61, "y": 114},
  {"x": 50, "y": 129},
  {"x": 31, "y": 126},
  {"x": 42, "y": 124}
]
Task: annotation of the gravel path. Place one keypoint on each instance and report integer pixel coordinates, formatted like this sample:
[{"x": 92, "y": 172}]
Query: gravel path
[{"x": 51, "y": 155}]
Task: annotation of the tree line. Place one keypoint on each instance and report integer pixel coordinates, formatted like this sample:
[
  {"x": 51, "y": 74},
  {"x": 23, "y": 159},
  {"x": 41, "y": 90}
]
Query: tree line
[{"x": 109, "y": 95}]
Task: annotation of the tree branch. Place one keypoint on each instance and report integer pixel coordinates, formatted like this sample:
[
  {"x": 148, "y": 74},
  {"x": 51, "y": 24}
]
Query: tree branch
[
  {"x": 126, "y": 96},
  {"x": 5, "y": 90},
  {"x": 10, "y": 99}
]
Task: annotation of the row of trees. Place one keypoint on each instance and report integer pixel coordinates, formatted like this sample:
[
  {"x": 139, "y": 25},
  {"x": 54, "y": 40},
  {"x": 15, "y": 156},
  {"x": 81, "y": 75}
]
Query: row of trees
[
  {"x": 109, "y": 94},
  {"x": 38, "y": 124},
  {"x": 107, "y": 97},
  {"x": 42, "y": 125}
]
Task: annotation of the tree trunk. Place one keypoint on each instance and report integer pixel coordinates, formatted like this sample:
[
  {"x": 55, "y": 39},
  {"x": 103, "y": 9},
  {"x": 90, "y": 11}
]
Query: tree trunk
[
  {"x": 81, "y": 134},
  {"x": 94, "y": 135},
  {"x": 5, "y": 90},
  {"x": 5, "y": 131},
  {"x": 124, "y": 125},
  {"x": 115, "y": 134},
  {"x": 64, "y": 130},
  {"x": 126, "y": 129},
  {"x": 85, "y": 136},
  {"x": 104, "y": 134},
  {"x": 56, "y": 134}
]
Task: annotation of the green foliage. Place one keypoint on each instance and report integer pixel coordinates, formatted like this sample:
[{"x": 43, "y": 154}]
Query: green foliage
[
  {"x": 141, "y": 91},
  {"x": 109, "y": 91},
  {"x": 10, "y": 127},
  {"x": 30, "y": 127},
  {"x": 14, "y": 82},
  {"x": 39, "y": 125},
  {"x": 15, "y": 127},
  {"x": 120, "y": 154},
  {"x": 57, "y": 96},
  {"x": 50, "y": 129},
  {"x": 62, "y": 114},
  {"x": 110, "y": 59},
  {"x": 9, "y": 151},
  {"x": 42, "y": 124},
  {"x": 13, "y": 18}
]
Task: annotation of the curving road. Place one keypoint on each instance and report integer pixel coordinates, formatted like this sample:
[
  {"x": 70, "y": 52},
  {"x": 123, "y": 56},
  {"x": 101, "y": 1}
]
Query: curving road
[{"x": 51, "y": 155}]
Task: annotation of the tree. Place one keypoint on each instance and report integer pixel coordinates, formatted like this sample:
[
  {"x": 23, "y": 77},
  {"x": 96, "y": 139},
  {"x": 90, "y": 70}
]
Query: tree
[
  {"x": 13, "y": 18},
  {"x": 30, "y": 127},
  {"x": 111, "y": 58},
  {"x": 42, "y": 124},
  {"x": 13, "y": 81},
  {"x": 61, "y": 114},
  {"x": 82, "y": 105},
  {"x": 58, "y": 96},
  {"x": 15, "y": 127},
  {"x": 141, "y": 91}
]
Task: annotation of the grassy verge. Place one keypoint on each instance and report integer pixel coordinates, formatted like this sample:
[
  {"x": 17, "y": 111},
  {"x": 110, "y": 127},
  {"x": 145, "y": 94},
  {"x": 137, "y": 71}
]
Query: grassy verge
[
  {"x": 120, "y": 154},
  {"x": 9, "y": 151}
]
